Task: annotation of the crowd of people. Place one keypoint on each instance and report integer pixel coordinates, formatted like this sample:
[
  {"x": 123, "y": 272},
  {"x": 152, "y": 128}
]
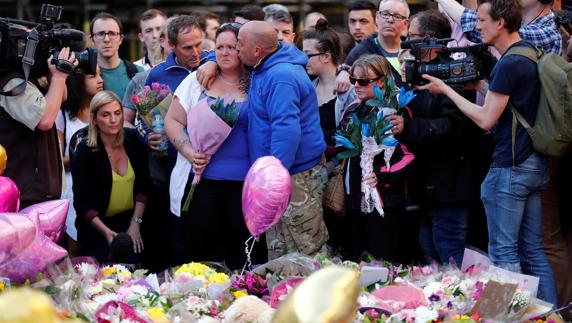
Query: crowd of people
[{"x": 461, "y": 155}]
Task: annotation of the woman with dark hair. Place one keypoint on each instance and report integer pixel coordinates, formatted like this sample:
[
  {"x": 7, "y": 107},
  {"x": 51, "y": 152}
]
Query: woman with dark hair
[
  {"x": 73, "y": 116},
  {"x": 384, "y": 236},
  {"x": 110, "y": 179},
  {"x": 214, "y": 225},
  {"x": 322, "y": 46}
]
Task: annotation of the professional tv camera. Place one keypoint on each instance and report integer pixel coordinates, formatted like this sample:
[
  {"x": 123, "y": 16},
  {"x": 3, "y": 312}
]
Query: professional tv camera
[
  {"x": 25, "y": 47},
  {"x": 467, "y": 69}
]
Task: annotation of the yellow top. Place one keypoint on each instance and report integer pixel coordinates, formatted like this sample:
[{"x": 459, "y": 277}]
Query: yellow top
[{"x": 121, "y": 198}]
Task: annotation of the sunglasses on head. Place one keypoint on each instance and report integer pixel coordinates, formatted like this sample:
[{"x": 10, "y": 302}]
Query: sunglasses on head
[
  {"x": 363, "y": 82},
  {"x": 236, "y": 25}
]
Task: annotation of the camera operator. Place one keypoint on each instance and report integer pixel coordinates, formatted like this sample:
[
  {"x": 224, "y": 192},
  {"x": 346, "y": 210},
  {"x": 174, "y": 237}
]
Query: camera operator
[
  {"x": 27, "y": 131},
  {"x": 511, "y": 191},
  {"x": 443, "y": 141}
]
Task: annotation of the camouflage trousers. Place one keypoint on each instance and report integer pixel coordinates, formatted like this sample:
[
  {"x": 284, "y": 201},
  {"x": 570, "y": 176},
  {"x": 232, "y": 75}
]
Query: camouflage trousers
[{"x": 301, "y": 228}]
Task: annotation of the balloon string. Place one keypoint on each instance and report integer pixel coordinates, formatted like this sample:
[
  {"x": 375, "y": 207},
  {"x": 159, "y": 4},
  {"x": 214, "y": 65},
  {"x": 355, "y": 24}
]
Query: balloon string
[{"x": 248, "y": 253}]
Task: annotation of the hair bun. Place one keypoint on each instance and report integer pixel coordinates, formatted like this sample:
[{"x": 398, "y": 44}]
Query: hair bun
[{"x": 321, "y": 25}]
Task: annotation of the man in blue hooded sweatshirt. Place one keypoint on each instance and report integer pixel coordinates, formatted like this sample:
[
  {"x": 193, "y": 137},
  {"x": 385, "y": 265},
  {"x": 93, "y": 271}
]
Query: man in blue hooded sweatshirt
[{"x": 284, "y": 122}]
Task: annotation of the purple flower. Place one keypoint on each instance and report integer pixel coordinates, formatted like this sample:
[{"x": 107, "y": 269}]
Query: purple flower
[{"x": 434, "y": 298}]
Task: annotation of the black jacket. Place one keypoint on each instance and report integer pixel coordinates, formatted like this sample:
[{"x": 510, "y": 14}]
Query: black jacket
[
  {"x": 392, "y": 184},
  {"x": 92, "y": 175},
  {"x": 446, "y": 146},
  {"x": 370, "y": 46}
]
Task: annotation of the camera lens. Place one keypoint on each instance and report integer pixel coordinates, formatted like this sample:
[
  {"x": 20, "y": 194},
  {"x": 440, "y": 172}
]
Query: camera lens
[{"x": 87, "y": 60}]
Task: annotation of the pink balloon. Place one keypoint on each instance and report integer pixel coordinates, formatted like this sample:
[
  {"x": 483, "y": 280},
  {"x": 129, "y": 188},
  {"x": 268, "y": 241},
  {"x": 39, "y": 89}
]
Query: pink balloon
[
  {"x": 34, "y": 259},
  {"x": 16, "y": 233},
  {"x": 265, "y": 194},
  {"x": 52, "y": 216},
  {"x": 9, "y": 195}
]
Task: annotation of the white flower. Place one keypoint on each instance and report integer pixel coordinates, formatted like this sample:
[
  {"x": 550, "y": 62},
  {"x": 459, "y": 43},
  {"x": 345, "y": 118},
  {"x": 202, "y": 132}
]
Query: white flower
[
  {"x": 423, "y": 314},
  {"x": 86, "y": 269},
  {"x": 432, "y": 288}
]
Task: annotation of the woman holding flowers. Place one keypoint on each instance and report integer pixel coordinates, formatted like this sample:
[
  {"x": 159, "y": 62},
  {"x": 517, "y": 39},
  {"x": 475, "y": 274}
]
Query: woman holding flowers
[
  {"x": 110, "y": 179},
  {"x": 213, "y": 224},
  {"x": 74, "y": 116},
  {"x": 382, "y": 236}
]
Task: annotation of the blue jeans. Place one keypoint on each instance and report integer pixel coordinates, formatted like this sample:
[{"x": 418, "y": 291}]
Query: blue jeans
[
  {"x": 443, "y": 233},
  {"x": 512, "y": 201}
]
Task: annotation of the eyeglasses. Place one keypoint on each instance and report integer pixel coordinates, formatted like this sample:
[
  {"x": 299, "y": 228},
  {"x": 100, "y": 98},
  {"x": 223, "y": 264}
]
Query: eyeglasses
[
  {"x": 236, "y": 25},
  {"x": 312, "y": 55},
  {"x": 101, "y": 35},
  {"x": 363, "y": 82},
  {"x": 386, "y": 14}
]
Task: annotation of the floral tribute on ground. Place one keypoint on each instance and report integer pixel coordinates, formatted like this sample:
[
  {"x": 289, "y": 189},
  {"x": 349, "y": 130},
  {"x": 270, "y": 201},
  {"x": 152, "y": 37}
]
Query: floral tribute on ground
[{"x": 210, "y": 293}]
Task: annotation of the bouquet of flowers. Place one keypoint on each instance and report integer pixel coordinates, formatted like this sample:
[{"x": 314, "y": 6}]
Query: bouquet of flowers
[
  {"x": 370, "y": 138},
  {"x": 150, "y": 97},
  {"x": 208, "y": 127}
]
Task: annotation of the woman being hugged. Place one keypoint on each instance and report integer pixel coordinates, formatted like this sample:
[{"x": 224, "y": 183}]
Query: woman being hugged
[
  {"x": 213, "y": 225},
  {"x": 110, "y": 179},
  {"x": 74, "y": 116},
  {"x": 382, "y": 236}
]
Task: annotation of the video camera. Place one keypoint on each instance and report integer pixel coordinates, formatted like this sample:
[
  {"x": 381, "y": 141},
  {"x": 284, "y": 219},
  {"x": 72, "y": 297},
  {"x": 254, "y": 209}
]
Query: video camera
[
  {"x": 25, "y": 46},
  {"x": 467, "y": 69}
]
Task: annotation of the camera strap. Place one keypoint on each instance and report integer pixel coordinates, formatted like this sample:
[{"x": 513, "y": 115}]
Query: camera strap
[{"x": 27, "y": 63}]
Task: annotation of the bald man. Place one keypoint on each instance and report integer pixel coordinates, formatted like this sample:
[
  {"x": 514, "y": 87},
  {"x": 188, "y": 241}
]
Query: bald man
[{"x": 284, "y": 122}]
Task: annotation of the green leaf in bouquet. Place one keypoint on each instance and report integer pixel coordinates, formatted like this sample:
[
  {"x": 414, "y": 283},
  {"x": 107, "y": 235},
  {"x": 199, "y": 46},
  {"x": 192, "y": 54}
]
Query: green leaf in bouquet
[
  {"x": 347, "y": 154},
  {"x": 373, "y": 103},
  {"x": 52, "y": 290}
]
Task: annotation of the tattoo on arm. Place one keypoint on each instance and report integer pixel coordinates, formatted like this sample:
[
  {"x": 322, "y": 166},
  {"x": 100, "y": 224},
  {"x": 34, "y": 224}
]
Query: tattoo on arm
[{"x": 181, "y": 142}]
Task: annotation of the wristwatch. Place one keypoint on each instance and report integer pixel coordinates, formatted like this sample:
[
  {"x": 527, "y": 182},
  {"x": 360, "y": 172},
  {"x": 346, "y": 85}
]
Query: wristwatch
[{"x": 138, "y": 219}]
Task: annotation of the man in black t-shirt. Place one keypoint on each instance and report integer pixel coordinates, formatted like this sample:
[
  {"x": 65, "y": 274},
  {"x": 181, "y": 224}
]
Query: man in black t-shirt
[{"x": 511, "y": 190}]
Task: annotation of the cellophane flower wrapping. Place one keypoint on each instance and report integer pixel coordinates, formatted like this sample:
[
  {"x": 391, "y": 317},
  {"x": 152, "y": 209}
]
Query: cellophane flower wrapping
[{"x": 208, "y": 126}]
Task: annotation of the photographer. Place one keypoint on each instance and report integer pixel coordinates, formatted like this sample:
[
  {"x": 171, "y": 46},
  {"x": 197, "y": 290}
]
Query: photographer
[
  {"x": 511, "y": 192},
  {"x": 27, "y": 130},
  {"x": 443, "y": 141}
]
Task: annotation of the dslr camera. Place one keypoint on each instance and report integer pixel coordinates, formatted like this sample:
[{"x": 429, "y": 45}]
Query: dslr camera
[
  {"x": 463, "y": 70},
  {"x": 25, "y": 46}
]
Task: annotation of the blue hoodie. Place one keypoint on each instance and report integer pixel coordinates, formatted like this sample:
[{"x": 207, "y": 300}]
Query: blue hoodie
[{"x": 283, "y": 114}]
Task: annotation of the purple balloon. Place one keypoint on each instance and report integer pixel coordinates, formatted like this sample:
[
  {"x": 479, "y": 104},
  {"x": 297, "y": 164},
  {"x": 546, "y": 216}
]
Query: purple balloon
[
  {"x": 16, "y": 233},
  {"x": 265, "y": 195},
  {"x": 52, "y": 216},
  {"x": 34, "y": 259},
  {"x": 9, "y": 195}
]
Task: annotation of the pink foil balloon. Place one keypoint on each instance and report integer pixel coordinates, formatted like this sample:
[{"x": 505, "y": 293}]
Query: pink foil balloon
[
  {"x": 34, "y": 259},
  {"x": 9, "y": 195},
  {"x": 265, "y": 194},
  {"x": 16, "y": 233},
  {"x": 52, "y": 216}
]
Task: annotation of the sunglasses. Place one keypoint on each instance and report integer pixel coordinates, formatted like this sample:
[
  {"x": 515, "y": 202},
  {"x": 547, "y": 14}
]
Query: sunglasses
[
  {"x": 312, "y": 55},
  {"x": 236, "y": 25},
  {"x": 363, "y": 82}
]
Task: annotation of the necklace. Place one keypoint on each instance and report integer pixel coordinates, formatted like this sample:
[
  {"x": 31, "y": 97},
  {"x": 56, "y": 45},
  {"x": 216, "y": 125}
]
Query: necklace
[
  {"x": 538, "y": 15},
  {"x": 227, "y": 82}
]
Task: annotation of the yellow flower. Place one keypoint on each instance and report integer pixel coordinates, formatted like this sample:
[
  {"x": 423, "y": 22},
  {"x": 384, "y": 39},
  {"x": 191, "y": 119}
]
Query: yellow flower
[
  {"x": 124, "y": 275},
  {"x": 108, "y": 271},
  {"x": 157, "y": 315},
  {"x": 238, "y": 294},
  {"x": 1, "y": 287},
  {"x": 218, "y": 278},
  {"x": 193, "y": 268}
]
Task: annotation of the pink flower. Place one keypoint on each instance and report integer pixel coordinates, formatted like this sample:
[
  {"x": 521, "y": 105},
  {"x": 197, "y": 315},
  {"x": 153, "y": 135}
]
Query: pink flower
[
  {"x": 407, "y": 315},
  {"x": 155, "y": 86},
  {"x": 447, "y": 281},
  {"x": 135, "y": 99}
]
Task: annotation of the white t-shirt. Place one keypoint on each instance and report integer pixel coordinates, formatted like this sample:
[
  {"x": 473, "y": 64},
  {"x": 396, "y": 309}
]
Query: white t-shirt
[{"x": 71, "y": 127}]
